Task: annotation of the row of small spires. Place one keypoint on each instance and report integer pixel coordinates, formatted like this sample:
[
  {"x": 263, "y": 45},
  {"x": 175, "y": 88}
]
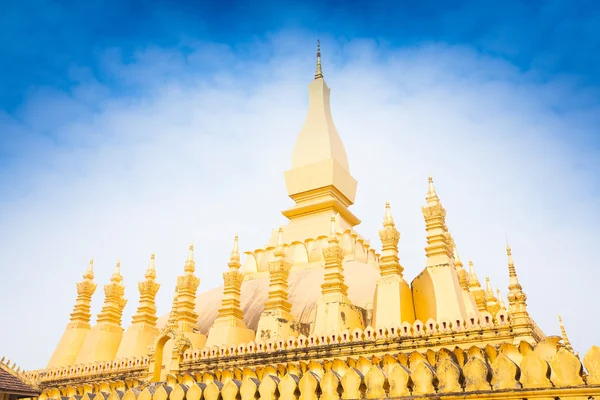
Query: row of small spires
[
  {"x": 151, "y": 273},
  {"x": 432, "y": 195},
  {"x": 388, "y": 222},
  {"x": 12, "y": 368}
]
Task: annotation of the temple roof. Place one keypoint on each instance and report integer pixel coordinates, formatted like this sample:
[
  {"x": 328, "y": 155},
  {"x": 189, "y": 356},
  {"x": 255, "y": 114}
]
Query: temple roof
[{"x": 13, "y": 384}]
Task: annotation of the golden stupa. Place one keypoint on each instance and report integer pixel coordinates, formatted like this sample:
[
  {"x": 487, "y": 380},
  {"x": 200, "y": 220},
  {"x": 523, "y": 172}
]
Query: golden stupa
[{"x": 319, "y": 314}]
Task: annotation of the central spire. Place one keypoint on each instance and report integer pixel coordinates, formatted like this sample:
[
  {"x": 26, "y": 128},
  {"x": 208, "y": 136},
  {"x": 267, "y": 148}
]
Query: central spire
[
  {"x": 319, "y": 180},
  {"x": 319, "y": 140},
  {"x": 318, "y": 71}
]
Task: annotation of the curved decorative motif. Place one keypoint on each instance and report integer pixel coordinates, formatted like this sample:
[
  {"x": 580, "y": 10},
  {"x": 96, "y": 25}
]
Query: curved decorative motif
[{"x": 481, "y": 372}]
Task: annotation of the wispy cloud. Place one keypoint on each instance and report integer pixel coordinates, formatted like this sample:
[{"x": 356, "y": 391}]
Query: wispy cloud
[{"x": 187, "y": 152}]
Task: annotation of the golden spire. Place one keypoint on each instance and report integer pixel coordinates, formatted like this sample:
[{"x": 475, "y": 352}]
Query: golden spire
[
  {"x": 463, "y": 279},
  {"x": 334, "y": 270},
  {"x": 489, "y": 291},
  {"x": 439, "y": 244},
  {"x": 319, "y": 179},
  {"x": 516, "y": 297},
  {"x": 512, "y": 272},
  {"x": 89, "y": 274},
  {"x": 80, "y": 317},
  {"x": 476, "y": 289},
  {"x": 146, "y": 312},
  {"x": 279, "y": 250},
  {"x": 173, "y": 320},
  {"x": 190, "y": 265},
  {"x": 457, "y": 262},
  {"x": 279, "y": 270},
  {"x": 389, "y": 235},
  {"x": 230, "y": 305},
  {"x": 114, "y": 302},
  {"x": 187, "y": 285},
  {"x": 276, "y": 319},
  {"x": 388, "y": 220},
  {"x": 517, "y": 300},
  {"x": 116, "y": 276},
  {"x": 500, "y": 300},
  {"x": 564, "y": 335},
  {"x": 431, "y": 194},
  {"x": 151, "y": 271},
  {"x": 473, "y": 280},
  {"x": 492, "y": 303},
  {"x": 318, "y": 71},
  {"x": 234, "y": 259}
]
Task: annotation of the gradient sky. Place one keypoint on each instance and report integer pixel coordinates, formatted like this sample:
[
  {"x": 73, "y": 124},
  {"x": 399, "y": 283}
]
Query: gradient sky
[{"x": 132, "y": 127}]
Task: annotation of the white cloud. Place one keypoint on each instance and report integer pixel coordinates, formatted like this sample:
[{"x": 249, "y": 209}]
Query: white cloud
[{"x": 198, "y": 156}]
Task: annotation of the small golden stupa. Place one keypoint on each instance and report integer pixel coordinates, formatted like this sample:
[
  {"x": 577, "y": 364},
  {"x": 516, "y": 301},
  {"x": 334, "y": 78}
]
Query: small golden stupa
[{"x": 317, "y": 313}]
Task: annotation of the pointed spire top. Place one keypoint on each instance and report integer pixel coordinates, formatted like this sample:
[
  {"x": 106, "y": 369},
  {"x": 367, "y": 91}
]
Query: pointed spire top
[
  {"x": 463, "y": 275},
  {"x": 500, "y": 300},
  {"x": 473, "y": 280},
  {"x": 388, "y": 220},
  {"x": 564, "y": 335},
  {"x": 279, "y": 249},
  {"x": 318, "y": 71},
  {"x": 172, "y": 321},
  {"x": 190, "y": 266},
  {"x": 457, "y": 261},
  {"x": 431, "y": 194},
  {"x": 116, "y": 276},
  {"x": 89, "y": 273},
  {"x": 235, "y": 252},
  {"x": 472, "y": 269},
  {"x": 191, "y": 252},
  {"x": 488, "y": 287},
  {"x": 151, "y": 271},
  {"x": 512, "y": 272}
]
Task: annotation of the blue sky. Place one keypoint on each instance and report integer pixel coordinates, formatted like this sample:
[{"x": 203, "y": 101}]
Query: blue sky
[
  {"x": 128, "y": 128},
  {"x": 42, "y": 40}
]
